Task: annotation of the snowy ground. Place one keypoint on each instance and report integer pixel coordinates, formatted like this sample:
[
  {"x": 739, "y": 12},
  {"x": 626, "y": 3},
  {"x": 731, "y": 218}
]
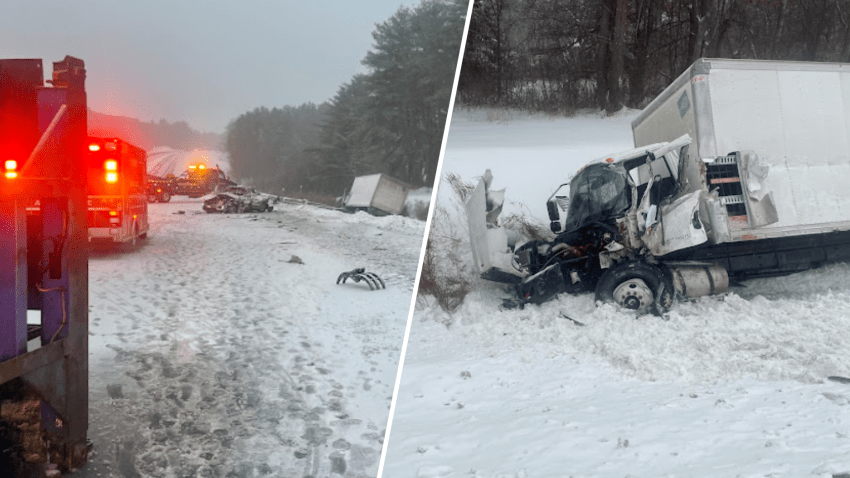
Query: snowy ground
[
  {"x": 213, "y": 355},
  {"x": 734, "y": 385}
]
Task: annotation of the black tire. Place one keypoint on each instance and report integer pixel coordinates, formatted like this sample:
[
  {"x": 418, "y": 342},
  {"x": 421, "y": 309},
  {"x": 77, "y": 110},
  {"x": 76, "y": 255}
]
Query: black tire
[
  {"x": 164, "y": 196},
  {"x": 637, "y": 286}
]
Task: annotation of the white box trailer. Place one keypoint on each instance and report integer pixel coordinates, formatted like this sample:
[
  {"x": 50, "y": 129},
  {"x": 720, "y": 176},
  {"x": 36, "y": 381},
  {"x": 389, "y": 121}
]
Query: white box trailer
[
  {"x": 794, "y": 116},
  {"x": 377, "y": 194}
]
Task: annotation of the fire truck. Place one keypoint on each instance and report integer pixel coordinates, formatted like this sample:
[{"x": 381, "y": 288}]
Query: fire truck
[
  {"x": 117, "y": 189},
  {"x": 44, "y": 385}
]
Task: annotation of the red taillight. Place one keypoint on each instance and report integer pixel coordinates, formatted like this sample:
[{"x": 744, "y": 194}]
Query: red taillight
[
  {"x": 113, "y": 213},
  {"x": 111, "y": 167},
  {"x": 94, "y": 147},
  {"x": 11, "y": 168}
]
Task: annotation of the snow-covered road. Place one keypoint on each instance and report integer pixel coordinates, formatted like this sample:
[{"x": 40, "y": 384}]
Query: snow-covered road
[{"x": 214, "y": 355}]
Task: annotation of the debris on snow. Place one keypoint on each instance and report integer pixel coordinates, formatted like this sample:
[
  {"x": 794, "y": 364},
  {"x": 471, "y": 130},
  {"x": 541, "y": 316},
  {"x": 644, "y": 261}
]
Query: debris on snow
[
  {"x": 295, "y": 260},
  {"x": 370, "y": 278}
]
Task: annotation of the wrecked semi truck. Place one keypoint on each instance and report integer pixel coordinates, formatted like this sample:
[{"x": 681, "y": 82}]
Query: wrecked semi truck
[{"x": 741, "y": 170}]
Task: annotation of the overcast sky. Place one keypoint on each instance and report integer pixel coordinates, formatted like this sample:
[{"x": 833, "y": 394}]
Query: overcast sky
[{"x": 200, "y": 61}]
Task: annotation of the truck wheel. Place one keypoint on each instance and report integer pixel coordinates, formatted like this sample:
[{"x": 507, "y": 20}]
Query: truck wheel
[
  {"x": 152, "y": 198},
  {"x": 636, "y": 286},
  {"x": 165, "y": 196}
]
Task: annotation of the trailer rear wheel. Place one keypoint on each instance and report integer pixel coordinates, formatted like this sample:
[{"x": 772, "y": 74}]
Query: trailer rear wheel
[
  {"x": 636, "y": 286},
  {"x": 164, "y": 196}
]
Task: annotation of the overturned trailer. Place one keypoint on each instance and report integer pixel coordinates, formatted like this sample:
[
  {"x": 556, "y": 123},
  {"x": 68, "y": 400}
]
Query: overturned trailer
[
  {"x": 740, "y": 170},
  {"x": 377, "y": 194}
]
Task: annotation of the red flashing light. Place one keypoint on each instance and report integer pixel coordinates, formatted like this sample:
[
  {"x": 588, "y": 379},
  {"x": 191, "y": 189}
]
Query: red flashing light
[
  {"x": 94, "y": 147},
  {"x": 610, "y": 160},
  {"x": 201, "y": 166},
  {"x": 111, "y": 177},
  {"x": 11, "y": 167},
  {"x": 110, "y": 165}
]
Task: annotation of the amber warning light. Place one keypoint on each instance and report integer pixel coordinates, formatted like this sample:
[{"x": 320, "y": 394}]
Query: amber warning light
[{"x": 11, "y": 168}]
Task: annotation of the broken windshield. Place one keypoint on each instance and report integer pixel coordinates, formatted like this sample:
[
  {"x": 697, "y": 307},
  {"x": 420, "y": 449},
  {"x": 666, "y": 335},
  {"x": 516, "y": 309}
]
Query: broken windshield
[{"x": 597, "y": 193}]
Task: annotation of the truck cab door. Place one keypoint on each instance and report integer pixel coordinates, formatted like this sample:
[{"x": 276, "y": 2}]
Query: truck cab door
[
  {"x": 678, "y": 226},
  {"x": 671, "y": 219}
]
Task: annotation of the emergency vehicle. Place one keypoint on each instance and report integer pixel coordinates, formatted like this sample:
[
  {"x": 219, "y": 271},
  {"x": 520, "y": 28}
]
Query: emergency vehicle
[{"x": 117, "y": 191}]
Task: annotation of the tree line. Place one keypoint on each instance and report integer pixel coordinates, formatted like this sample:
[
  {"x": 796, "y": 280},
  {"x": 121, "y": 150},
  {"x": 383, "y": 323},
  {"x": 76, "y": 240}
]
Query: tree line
[
  {"x": 388, "y": 120},
  {"x": 147, "y": 135},
  {"x": 562, "y": 55}
]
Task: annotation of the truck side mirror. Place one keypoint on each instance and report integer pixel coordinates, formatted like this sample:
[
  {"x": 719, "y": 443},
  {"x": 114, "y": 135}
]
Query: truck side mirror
[
  {"x": 552, "y": 209},
  {"x": 555, "y": 226}
]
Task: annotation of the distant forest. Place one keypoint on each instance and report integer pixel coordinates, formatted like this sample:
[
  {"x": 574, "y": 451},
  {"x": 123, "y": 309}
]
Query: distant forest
[
  {"x": 389, "y": 120},
  {"x": 146, "y": 135},
  {"x": 563, "y": 55}
]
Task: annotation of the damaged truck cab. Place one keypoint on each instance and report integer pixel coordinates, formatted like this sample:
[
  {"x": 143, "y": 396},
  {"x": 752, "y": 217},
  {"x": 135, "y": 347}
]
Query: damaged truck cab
[
  {"x": 740, "y": 170},
  {"x": 614, "y": 222}
]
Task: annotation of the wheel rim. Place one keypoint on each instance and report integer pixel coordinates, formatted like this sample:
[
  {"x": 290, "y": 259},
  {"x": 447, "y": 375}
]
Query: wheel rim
[{"x": 634, "y": 294}]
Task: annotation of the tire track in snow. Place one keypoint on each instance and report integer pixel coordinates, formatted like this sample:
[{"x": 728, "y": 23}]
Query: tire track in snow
[{"x": 214, "y": 346}]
